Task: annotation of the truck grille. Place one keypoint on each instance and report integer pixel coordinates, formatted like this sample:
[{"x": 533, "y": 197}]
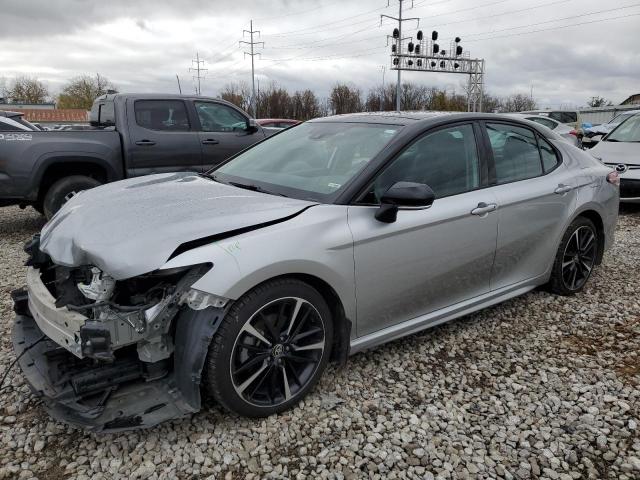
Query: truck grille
[{"x": 629, "y": 188}]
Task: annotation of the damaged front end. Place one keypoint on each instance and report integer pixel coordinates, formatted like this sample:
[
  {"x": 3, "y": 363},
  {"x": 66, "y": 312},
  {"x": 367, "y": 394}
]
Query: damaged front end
[{"x": 113, "y": 355}]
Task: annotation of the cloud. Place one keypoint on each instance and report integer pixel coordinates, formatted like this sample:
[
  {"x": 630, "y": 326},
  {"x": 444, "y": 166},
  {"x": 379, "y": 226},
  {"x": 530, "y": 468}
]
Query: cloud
[{"x": 141, "y": 45}]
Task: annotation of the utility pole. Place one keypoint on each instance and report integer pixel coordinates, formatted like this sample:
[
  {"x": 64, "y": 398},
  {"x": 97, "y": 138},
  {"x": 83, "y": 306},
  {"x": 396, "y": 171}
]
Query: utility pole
[
  {"x": 383, "y": 93},
  {"x": 399, "y": 40},
  {"x": 179, "y": 87},
  {"x": 197, "y": 69},
  {"x": 252, "y": 54}
]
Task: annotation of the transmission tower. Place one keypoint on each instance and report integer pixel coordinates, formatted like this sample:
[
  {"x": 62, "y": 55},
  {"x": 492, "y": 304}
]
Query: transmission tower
[
  {"x": 252, "y": 54},
  {"x": 398, "y": 40},
  {"x": 197, "y": 69}
]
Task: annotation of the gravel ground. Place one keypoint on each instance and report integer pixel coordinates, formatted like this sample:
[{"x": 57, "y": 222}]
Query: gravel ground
[{"x": 538, "y": 387}]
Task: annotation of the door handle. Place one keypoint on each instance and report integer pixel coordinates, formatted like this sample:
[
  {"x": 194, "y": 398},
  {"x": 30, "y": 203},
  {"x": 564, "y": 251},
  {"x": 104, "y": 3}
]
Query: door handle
[
  {"x": 562, "y": 189},
  {"x": 484, "y": 208},
  {"x": 145, "y": 143},
  {"x": 210, "y": 141}
]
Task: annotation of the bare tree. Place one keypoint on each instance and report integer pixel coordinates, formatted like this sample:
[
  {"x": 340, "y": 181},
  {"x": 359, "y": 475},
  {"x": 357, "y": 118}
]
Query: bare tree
[
  {"x": 305, "y": 105},
  {"x": 275, "y": 102},
  {"x": 81, "y": 91},
  {"x": 345, "y": 99},
  {"x": 237, "y": 93},
  {"x": 518, "y": 103},
  {"x": 28, "y": 90}
]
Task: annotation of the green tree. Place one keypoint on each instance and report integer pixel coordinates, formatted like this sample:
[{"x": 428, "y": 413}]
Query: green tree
[{"x": 81, "y": 91}]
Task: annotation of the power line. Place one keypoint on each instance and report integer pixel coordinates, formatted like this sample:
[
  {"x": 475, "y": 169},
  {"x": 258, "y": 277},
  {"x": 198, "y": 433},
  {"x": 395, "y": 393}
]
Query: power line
[
  {"x": 474, "y": 19},
  {"x": 608, "y": 10},
  {"x": 554, "y": 28},
  {"x": 297, "y": 32}
]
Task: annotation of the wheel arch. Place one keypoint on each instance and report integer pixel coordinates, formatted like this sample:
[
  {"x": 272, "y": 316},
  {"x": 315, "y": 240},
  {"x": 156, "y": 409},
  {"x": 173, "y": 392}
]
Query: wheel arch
[
  {"x": 56, "y": 168},
  {"x": 341, "y": 323},
  {"x": 596, "y": 218}
]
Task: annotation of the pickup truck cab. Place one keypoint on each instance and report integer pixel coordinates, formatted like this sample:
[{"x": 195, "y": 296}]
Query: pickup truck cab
[{"x": 133, "y": 135}]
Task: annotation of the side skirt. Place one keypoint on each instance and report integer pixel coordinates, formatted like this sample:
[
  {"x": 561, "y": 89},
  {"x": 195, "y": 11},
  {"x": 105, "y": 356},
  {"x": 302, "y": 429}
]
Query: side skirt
[{"x": 444, "y": 315}]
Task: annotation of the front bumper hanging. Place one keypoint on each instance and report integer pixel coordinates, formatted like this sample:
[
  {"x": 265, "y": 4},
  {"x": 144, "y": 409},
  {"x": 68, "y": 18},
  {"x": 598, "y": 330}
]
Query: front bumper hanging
[{"x": 114, "y": 396}]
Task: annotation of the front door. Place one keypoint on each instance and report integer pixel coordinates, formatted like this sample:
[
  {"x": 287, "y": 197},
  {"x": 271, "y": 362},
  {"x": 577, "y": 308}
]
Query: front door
[
  {"x": 162, "y": 138},
  {"x": 223, "y": 132},
  {"x": 535, "y": 194},
  {"x": 429, "y": 258}
]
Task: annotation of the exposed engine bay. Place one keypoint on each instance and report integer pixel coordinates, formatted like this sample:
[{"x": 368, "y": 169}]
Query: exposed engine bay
[{"x": 106, "y": 338}]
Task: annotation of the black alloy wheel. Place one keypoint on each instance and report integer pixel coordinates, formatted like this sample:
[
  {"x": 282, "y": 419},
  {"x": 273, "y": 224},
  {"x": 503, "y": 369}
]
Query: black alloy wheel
[{"x": 270, "y": 349}]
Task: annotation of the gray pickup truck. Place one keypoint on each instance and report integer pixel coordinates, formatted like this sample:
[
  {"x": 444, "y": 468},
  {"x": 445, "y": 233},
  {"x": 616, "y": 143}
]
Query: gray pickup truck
[{"x": 134, "y": 135}]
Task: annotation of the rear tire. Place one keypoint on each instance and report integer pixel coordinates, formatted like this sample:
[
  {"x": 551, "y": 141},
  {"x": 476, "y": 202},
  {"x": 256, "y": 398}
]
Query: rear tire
[
  {"x": 262, "y": 362},
  {"x": 576, "y": 257},
  {"x": 62, "y": 190}
]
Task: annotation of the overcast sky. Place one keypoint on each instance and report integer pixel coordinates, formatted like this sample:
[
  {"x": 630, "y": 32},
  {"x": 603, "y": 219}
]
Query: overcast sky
[{"x": 140, "y": 45}]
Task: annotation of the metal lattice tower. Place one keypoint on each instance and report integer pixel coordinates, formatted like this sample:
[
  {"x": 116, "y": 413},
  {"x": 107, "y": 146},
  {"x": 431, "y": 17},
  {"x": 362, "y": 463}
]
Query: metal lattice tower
[
  {"x": 197, "y": 69},
  {"x": 252, "y": 54},
  {"x": 426, "y": 55},
  {"x": 398, "y": 41}
]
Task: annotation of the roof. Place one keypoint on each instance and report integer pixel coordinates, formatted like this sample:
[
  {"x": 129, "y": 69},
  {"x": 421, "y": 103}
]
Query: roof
[
  {"x": 399, "y": 118},
  {"x": 55, "y": 115},
  {"x": 632, "y": 100},
  {"x": 277, "y": 120},
  {"x": 7, "y": 113}
]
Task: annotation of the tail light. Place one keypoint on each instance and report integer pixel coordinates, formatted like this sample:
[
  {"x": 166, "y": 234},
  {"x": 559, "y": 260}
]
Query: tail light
[
  {"x": 614, "y": 179},
  {"x": 574, "y": 133}
]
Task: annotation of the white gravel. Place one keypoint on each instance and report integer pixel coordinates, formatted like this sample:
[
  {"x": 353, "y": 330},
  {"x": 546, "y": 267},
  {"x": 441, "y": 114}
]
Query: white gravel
[{"x": 538, "y": 387}]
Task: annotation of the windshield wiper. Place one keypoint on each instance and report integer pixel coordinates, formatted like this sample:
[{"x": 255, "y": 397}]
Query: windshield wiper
[
  {"x": 255, "y": 188},
  {"x": 611, "y": 140},
  {"x": 211, "y": 176}
]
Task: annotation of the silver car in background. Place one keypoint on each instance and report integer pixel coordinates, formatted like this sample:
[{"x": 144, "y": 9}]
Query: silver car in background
[
  {"x": 329, "y": 238},
  {"x": 569, "y": 134}
]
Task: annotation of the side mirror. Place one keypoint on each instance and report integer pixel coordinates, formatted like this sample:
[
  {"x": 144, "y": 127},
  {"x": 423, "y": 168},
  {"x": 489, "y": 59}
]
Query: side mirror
[
  {"x": 252, "y": 126},
  {"x": 403, "y": 194}
]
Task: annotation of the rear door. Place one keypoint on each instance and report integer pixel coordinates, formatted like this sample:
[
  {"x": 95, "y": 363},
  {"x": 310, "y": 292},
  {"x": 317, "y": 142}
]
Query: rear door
[
  {"x": 222, "y": 132},
  {"x": 162, "y": 137},
  {"x": 535, "y": 194}
]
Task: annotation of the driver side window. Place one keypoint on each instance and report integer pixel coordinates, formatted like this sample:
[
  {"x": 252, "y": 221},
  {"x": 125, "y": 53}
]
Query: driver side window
[
  {"x": 446, "y": 160},
  {"x": 215, "y": 117}
]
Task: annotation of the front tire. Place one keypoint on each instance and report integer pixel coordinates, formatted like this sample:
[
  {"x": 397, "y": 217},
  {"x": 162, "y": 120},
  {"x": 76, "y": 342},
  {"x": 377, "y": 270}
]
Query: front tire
[
  {"x": 270, "y": 349},
  {"x": 576, "y": 257},
  {"x": 62, "y": 190}
]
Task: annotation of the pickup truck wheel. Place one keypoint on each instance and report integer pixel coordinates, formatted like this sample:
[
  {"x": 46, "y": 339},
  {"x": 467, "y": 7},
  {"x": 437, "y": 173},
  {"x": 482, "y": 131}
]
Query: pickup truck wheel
[{"x": 62, "y": 190}]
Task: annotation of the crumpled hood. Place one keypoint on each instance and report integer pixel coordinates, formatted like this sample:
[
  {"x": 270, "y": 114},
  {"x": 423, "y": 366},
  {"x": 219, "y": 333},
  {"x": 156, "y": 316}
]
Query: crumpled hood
[
  {"x": 617, "y": 152},
  {"x": 131, "y": 227}
]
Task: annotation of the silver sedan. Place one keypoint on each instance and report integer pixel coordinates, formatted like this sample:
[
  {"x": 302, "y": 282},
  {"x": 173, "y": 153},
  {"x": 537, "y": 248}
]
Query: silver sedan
[{"x": 329, "y": 238}]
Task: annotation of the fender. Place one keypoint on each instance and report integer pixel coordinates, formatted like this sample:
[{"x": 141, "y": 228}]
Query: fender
[
  {"x": 108, "y": 160},
  {"x": 243, "y": 261}
]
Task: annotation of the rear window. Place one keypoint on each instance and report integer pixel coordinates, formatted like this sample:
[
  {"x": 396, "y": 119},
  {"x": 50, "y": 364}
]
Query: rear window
[
  {"x": 102, "y": 114},
  {"x": 564, "y": 117},
  {"x": 162, "y": 115}
]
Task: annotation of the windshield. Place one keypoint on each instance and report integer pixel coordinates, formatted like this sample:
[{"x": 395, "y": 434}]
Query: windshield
[
  {"x": 628, "y": 131},
  {"x": 310, "y": 161}
]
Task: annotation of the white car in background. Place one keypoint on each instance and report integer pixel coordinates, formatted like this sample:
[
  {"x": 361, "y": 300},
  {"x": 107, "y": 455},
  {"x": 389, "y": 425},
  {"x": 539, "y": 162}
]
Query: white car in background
[
  {"x": 620, "y": 150},
  {"x": 593, "y": 135},
  {"x": 567, "y": 133}
]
